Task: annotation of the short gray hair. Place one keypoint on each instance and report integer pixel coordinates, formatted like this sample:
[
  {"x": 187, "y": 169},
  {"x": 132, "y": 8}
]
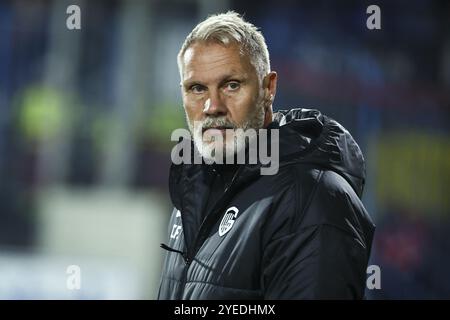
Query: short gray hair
[{"x": 231, "y": 27}]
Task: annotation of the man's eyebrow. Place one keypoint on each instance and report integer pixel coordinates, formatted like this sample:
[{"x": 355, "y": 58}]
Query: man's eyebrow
[
  {"x": 232, "y": 76},
  {"x": 189, "y": 82}
]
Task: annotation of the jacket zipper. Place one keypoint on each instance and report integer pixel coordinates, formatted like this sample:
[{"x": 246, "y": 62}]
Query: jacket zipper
[
  {"x": 216, "y": 208},
  {"x": 184, "y": 277},
  {"x": 188, "y": 257}
]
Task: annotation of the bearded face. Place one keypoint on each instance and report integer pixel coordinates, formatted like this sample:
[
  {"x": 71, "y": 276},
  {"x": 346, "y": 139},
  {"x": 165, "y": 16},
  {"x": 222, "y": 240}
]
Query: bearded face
[
  {"x": 217, "y": 137},
  {"x": 222, "y": 93}
]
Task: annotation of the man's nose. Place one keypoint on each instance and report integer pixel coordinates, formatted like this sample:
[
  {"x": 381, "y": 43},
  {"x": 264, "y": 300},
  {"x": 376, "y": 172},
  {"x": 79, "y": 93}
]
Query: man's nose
[{"x": 215, "y": 105}]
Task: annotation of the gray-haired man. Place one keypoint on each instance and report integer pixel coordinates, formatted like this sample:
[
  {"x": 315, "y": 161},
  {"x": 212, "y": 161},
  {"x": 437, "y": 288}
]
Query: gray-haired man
[{"x": 236, "y": 234}]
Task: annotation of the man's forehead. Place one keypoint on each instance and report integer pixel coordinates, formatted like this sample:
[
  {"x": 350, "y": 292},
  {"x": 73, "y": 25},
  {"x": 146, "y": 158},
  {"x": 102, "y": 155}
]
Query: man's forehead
[
  {"x": 204, "y": 53},
  {"x": 205, "y": 58}
]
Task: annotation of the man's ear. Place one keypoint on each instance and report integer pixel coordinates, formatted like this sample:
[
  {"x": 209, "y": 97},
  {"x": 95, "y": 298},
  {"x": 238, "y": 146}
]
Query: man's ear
[{"x": 270, "y": 88}]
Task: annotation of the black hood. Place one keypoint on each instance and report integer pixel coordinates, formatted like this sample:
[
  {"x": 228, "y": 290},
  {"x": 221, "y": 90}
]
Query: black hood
[{"x": 307, "y": 136}]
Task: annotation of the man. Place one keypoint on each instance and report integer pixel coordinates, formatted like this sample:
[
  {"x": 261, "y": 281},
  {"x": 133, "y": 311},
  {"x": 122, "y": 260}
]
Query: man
[{"x": 301, "y": 233}]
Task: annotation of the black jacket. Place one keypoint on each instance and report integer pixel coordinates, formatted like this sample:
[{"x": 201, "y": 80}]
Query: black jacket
[{"x": 300, "y": 234}]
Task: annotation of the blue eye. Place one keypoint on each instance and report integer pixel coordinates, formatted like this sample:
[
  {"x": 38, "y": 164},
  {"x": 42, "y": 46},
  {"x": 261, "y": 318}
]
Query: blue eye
[
  {"x": 232, "y": 86},
  {"x": 197, "y": 88}
]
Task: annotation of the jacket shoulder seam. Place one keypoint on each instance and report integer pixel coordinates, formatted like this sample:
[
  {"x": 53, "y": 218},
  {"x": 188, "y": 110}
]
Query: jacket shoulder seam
[{"x": 311, "y": 195}]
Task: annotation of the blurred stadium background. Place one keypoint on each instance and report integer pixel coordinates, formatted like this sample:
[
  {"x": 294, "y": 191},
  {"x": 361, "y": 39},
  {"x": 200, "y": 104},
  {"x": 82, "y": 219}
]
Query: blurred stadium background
[{"x": 86, "y": 117}]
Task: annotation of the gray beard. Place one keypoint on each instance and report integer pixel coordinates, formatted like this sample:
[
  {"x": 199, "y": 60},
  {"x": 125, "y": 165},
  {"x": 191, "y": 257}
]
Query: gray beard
[{"x": 254, "y": 121}]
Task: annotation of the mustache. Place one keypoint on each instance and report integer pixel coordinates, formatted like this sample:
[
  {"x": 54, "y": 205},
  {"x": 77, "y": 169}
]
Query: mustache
[{"x": 222, "y": 122}]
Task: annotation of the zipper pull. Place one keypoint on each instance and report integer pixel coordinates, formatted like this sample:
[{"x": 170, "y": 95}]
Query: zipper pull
[
  {"x": 186, "y": 259},
  {"x": 166, "y": 247}
]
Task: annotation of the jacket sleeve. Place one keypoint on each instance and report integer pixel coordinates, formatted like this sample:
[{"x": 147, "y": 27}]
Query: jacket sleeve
[{"x": 323, "y": 251}]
